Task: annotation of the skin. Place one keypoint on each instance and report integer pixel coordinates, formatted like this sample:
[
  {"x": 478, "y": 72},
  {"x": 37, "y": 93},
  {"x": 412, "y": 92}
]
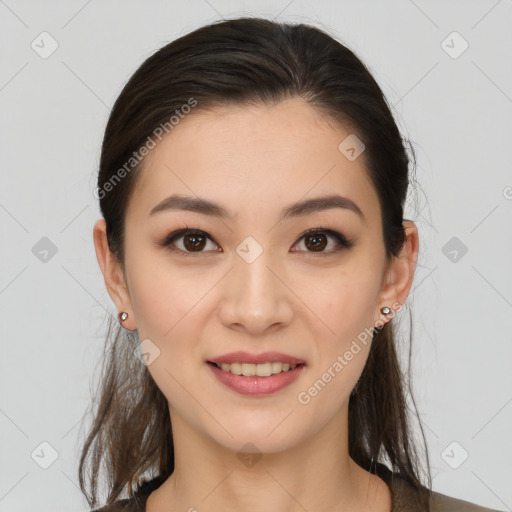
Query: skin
[{"x": 291, "y": 299}]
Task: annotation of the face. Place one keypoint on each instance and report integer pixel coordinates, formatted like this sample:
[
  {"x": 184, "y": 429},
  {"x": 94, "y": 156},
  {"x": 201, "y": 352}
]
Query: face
[{"x": 253, "y": 281}]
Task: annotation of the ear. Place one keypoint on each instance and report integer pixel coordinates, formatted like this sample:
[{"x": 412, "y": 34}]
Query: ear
[
  {"x": 399, "y": 275},
  {"x": 112, "y": 273}
]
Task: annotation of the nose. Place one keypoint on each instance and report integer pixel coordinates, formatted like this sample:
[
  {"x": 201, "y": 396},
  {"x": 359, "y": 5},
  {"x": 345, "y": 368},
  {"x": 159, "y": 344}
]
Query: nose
[{"x": 257, "y": 298}]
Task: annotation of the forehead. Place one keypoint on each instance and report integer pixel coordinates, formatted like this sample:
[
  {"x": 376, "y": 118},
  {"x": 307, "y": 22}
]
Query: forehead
[{"x": 254, "y": 160}]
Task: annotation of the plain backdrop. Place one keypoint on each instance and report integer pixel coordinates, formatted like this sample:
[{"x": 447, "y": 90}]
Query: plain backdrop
[{"x": 445, "y": 68}]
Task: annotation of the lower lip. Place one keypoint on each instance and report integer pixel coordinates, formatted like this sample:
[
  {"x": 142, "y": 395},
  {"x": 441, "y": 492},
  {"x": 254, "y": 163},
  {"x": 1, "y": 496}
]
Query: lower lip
[{"x": 256, "y": 386}]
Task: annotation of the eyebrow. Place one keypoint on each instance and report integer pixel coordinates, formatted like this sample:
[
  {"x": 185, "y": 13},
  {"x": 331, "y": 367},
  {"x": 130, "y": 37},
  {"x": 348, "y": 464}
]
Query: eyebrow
[{"x": 301, "y": 208}]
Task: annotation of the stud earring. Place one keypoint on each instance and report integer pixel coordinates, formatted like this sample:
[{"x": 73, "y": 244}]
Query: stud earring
[
  {"x": 385, "y": 311},
  {"x": 122, "y": 317}
]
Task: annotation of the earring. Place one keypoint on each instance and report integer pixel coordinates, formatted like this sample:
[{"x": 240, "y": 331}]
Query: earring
[
  {"x": 122, "y": 317},
  {"x": 385, "y": 311}
]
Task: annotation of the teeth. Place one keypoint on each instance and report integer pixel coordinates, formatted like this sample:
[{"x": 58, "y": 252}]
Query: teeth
[{"x": 260, "y": 370}]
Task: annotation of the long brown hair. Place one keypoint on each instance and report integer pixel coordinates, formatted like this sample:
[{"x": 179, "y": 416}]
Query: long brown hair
[{"x": 245, "y": 61}]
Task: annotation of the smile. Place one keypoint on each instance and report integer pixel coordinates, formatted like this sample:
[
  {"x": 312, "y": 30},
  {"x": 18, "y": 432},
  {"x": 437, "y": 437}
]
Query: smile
[
  {"x": 259, "y": 370},
  {"x": 272, "y": 377}
]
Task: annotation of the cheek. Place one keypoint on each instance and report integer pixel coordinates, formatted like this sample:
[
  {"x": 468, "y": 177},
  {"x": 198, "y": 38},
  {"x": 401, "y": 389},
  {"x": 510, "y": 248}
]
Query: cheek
[
  {"x": 166, "y": 304},
  {"x": 344, "y": 303},
  {"x": 164, "y": 297},
  {"x": 346, "y": 307}
]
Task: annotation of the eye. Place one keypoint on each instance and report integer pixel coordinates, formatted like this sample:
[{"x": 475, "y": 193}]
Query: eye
[
  {"x": 195, "y": 240},
  {"x": 317, "y": 239}
]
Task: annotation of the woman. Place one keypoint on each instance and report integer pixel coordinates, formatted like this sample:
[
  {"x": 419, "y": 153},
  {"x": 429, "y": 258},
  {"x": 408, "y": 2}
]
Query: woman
[{"x": 252, "y": 182}]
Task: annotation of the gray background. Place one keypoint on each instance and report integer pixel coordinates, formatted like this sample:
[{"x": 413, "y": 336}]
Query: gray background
[{"x": 457, "y": 109}]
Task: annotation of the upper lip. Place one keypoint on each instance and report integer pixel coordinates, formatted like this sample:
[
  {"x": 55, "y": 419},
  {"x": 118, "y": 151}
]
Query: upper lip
[{"x": 264, "y": 357}]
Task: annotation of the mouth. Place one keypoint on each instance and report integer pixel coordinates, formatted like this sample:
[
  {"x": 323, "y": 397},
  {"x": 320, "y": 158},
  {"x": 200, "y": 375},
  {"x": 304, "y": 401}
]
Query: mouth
[
  {"x": 256, "y": 370},
  {"x": 256, "y": 380}
]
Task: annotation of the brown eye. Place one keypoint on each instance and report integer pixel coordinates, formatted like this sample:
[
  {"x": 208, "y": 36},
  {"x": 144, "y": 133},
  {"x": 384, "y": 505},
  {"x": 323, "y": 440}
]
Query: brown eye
[
  {"x": 316, "y": 240},
  {"x": 194, "y": 241}
]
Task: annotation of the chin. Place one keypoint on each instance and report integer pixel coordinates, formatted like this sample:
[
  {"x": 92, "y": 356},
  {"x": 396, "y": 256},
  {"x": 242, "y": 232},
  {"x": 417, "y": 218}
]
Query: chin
[
  {"x": 243, "y": 442},
  {"x": 268, "y": 432}
]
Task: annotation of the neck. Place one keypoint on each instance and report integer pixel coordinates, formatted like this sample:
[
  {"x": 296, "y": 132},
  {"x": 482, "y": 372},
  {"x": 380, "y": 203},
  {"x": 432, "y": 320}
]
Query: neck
[{"x": 315, "y": 475}]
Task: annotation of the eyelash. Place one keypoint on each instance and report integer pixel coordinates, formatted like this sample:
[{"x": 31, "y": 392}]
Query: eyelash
[{"x": 341, "y": 240}]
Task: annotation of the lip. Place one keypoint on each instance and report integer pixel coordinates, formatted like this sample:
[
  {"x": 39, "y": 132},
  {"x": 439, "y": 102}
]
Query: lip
[
  {"x": 256, "y": 386},
  {"x": 264, "y": 357}
]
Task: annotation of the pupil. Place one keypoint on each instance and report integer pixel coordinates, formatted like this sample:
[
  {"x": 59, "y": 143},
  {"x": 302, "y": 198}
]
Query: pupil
[
  {"x": 317, "y": 243},
  {"x": 196, "y": 241}
]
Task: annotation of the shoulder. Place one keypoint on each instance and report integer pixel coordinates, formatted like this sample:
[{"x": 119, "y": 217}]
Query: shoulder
[
  {"x": 138, "y": 502},
  {"x": 442, "y": 503},
  {"x": 405, "y": 498}
]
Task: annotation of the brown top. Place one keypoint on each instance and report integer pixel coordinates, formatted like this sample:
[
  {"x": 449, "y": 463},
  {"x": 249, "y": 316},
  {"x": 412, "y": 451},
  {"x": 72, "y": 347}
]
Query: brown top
[{"x": 403, "y": 497}]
